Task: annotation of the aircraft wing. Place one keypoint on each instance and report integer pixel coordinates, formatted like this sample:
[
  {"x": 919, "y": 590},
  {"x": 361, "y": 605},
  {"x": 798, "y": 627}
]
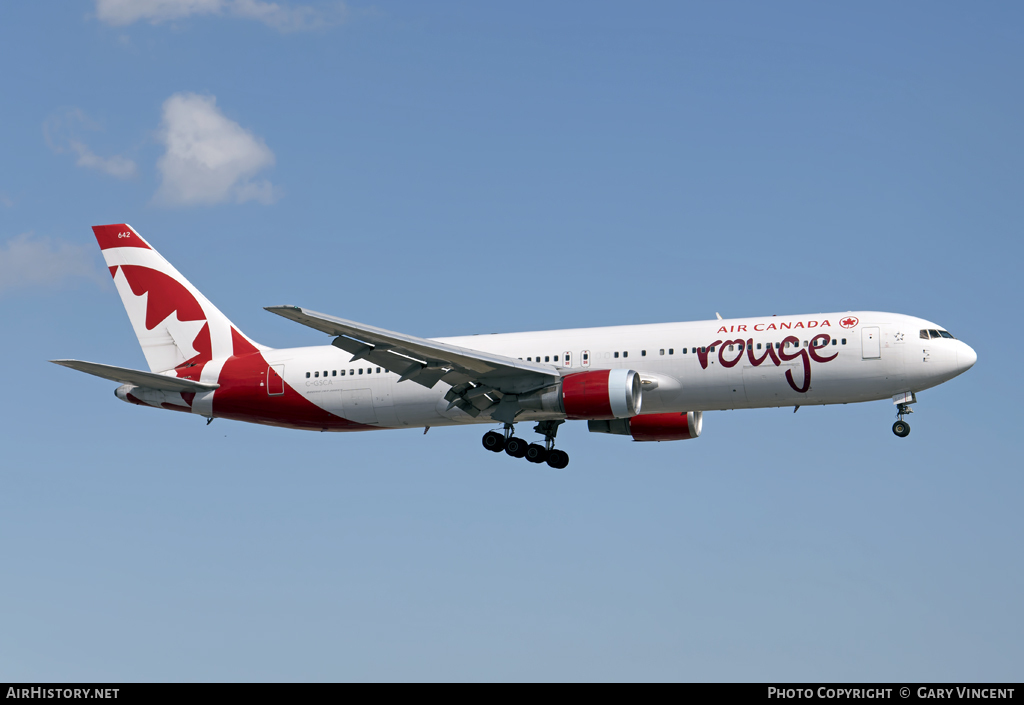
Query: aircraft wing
[
  {"x": 124, "y": 375},
  {"x": 473, "y": 374}
]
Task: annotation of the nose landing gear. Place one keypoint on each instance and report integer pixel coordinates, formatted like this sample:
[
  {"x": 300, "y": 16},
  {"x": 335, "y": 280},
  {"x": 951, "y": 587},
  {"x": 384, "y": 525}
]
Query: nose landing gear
[
  {"x": 534, "y": 452},
  {"x": 901, "y": 428}
]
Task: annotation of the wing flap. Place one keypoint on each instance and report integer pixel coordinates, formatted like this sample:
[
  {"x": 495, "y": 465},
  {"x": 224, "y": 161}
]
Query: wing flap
[{"x": 139, "y": 378}]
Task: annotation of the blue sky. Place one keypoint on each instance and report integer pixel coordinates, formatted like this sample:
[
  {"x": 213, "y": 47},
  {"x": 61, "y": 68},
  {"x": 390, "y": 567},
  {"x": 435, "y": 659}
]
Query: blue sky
[{"x": 451, "y": 168}]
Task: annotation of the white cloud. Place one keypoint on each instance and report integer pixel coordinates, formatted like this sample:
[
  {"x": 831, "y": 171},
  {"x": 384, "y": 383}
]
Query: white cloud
[
  {"x": 286, "y": 18},
  {"x": 26, "y": 261},
  {"x": 61, "y": 134},
  {"x": 122, "y": 12},
  {"x": 209, "y": 158},
  {"x": 121, "y": 167}
]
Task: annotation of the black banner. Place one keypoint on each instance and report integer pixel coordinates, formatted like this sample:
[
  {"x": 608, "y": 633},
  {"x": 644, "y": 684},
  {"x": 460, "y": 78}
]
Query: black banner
[{"x": 13, "y": 692}]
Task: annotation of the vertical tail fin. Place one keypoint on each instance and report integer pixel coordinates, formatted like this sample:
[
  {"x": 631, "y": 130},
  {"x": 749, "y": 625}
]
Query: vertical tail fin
[{"x": 178, "y": 328}]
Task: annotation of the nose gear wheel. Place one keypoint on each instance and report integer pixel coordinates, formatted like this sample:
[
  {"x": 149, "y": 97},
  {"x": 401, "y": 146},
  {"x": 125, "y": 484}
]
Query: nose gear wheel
[{"x": 901, "y": 428}]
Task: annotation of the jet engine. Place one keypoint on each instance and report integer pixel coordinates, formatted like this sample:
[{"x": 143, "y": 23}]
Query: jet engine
[
  {"x": 597, "y": 394},
  {"x": 653, "y": 427}
]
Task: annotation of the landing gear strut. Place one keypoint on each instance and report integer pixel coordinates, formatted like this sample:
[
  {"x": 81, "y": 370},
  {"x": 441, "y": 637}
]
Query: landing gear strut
[
  {"x": 901, "y": 428},
  {"x": 555, "y": 458},
  {"x": 534, "y": 452}
]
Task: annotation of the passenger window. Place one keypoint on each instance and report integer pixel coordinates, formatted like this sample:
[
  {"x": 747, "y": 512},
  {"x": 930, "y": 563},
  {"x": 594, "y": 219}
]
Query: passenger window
[
  {"x": 672, "y": 351},
  {"x": 946, "y": 334},
  {"x": 343, "y": 373},
  {"x": 694, "y": 351},
  {"x": 625, "y": 354},
  {"x": 378, "y": 370},
  {"x": 529, "y": 359},
  {"x": 360, "y": 370},
  {"x": 702, "y": 349},
  {"x": 547, "y": 358},
  {"x": 934, "y": 333},
  {"x": 556, "y": 358},
  {"x": 730, "y": 348},
  {"x": 643, "y": 353},
  {"x": 316, "y": 374},
  {"x": 307, "y": 375},
  {"x": 616, "y": 354},
  {"x": 662, "y": 351},
  {"x": 835, "y": 342},
  {"x": 712, "y": 348},
  {"x": 844, "y": 341},
  {"x": 759, "y": 346},
  {"x": 805, "y": 343}
]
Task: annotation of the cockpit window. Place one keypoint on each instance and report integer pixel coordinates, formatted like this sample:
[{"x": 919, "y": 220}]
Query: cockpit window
[
  {"x": 946, "y": 334},
  {"x": 934, "y": 333},
  {"x": 924, "y": 334}
]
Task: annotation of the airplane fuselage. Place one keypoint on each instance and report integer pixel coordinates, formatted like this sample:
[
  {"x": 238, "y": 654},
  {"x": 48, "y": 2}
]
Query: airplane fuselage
[{"x": 830, "y": 358}]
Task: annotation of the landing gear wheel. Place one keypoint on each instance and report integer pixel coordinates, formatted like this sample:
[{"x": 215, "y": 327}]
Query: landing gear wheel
[
  {"x": 558, "y": 459},
  {"x": 516, "y": 447},
  {"x": 901, "y": 429},
  {"x": 494, "y": 441},
  {"x": 536, "y": 453}
]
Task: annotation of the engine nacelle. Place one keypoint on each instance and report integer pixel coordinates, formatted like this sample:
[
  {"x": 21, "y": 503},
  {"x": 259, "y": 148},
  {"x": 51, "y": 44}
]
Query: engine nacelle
[
  {"x": 654, "y": 427},
  {"x": 602, "y": 394},
  {"x": 597, "y": 394}
]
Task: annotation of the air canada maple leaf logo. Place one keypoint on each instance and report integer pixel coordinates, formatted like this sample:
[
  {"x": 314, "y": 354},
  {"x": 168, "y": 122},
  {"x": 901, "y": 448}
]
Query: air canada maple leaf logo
[{"x": 849, "y": 322}]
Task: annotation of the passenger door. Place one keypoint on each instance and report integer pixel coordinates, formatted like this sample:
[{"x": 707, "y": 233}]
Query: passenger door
[
  {"x": 871, "y": 343},
  {"x": 275, "y": 380}
]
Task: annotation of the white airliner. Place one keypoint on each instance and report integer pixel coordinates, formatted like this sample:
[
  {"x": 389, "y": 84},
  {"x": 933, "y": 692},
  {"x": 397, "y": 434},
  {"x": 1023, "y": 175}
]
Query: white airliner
[{"x": 651, "y": 382}]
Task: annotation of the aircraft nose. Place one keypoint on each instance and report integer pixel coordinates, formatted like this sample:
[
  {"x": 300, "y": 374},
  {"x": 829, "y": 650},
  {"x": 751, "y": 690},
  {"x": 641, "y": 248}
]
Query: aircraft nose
[{"x": 965, "y": 357}]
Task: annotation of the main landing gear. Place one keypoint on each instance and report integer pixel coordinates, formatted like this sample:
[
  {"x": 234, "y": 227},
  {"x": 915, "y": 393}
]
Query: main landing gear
[
  {"x": 534, "y": 452},
  {"x": 901, "y": 428}
]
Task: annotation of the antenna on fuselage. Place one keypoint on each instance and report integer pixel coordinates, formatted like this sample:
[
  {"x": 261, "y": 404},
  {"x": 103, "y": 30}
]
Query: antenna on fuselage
[{"x": 719, "y": 315}]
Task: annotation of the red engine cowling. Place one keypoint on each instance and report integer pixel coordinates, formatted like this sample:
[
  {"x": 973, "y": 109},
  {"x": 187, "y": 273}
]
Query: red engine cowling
[
  {"x": 654, "y": 427},
  {"x": 601, "y": 394}
]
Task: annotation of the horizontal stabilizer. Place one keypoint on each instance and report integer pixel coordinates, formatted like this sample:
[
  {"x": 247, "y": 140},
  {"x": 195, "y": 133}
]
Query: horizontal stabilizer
[{"x": 139, "y": 378}]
